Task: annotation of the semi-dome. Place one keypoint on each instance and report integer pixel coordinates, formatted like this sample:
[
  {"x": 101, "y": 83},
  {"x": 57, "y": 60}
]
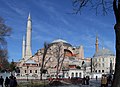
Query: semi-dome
[
  {"x": 61, "y": 40},
  {"x": 104, "y": 52}
]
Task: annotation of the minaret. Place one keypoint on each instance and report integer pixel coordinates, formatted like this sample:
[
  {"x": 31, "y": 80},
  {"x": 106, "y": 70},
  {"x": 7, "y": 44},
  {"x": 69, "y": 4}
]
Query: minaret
[
  {"x": 81, "y": 52},
  {"x": 28, "y": 53},
  {"x": 23, "y": 48},
  {"x": 96, "y": 44}
]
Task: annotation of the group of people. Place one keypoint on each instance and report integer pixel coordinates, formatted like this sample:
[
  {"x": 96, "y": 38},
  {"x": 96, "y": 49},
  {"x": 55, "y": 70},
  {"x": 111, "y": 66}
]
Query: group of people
[
  {"x": 9, "y": 82},
  {"x": 105, "y": 80},
  {"x": 85, "y": 80}
]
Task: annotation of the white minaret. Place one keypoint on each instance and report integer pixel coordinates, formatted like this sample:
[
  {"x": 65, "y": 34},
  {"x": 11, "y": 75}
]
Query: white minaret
[
  {"x": 96, "y": 44},
  {"x": 23, "y": 48},
  {"x": 28, "y": 52}
]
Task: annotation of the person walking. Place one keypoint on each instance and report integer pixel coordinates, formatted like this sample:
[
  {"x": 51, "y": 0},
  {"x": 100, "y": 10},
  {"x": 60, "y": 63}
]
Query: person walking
[
  {"x": 104, "y": 81},
  {"x": 96, "y": 78},
  {"x": 1, "y": 81},
  {"x": 87, "y": 80},
  {"x": 15, "y": 82},
  {"x": 83, "y": 81},
  {"x": 11, "y": 81},
  {"x": 7, "y": 81}
]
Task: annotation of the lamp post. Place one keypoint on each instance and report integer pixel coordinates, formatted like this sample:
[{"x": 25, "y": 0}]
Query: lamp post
[
  {"x": 38, "y": 54},
  {"x": 27, "y": 72}
]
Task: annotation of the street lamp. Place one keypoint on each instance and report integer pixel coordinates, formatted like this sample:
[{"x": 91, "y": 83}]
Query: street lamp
[
  {"x": 38, "y": 54},
  {"x": 27, "y": 72}
]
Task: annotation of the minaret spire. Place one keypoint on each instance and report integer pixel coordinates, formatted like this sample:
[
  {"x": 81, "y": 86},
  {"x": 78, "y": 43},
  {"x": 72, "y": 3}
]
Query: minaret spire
[
  {"x": 28, "y": 52},
  {"x": 29, "y": 17},
  {"x": 23, "y": 48},
  {"x": 96, "y": 44}
]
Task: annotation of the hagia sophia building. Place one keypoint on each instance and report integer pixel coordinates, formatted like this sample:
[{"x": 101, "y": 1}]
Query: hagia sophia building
[{"x": 61, "y": 56}]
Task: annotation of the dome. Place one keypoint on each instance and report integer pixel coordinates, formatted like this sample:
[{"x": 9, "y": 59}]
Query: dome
[
  {"x": 60, "y": 40},
  {"x": 104, "y": 52},
  {"x": 30, "y": 62}
]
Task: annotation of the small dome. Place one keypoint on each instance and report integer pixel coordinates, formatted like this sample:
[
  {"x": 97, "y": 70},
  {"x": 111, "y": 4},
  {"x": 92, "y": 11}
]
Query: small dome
[
  {"x": 104, "y": 52},
  {"x": 30, "y": 62}
]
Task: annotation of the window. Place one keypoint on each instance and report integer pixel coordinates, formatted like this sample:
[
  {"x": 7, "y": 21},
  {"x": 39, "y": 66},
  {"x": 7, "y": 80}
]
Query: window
[
  {"x": 99, "y": 65},
  {"x": 99, "y": 71},
  {"x": 96, "y": 59},
  {"x": 99, "y": 59},
  {"x": 76, "y": 74},
  {"x": 67, "y": 74},
  {"x": 102, "y": 71},
  {"x": 96, "y": 71},
  {"x": 30, "y": 71},
  {"x": 102, "y": 64},
  {"x": 102, "y": 59},
  {"x": 25, "y": 71},
  {"x": 80, "y": 75},
  {"x": 35, "y": 71},
  {"x": 72, "y": 75}
]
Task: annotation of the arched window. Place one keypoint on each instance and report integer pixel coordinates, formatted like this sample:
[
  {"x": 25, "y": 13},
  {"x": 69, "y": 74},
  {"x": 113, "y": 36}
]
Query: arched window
[
  {"x": 25, "y": 71},
  {"x": 80, "y": 75},
  {"x": 35, "y": 71},
  {"x": 30, "y": 71},
  {"x": 72, "y": 75},
  {"x": 76, "y": 74}
]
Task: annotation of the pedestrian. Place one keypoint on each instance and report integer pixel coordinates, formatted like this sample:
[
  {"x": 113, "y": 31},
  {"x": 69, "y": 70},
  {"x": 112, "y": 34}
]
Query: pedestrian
[
  {"x": 11, "y": 81},
  {"x": 7, "y": 81},
  {"x": 15, "y": 82},
  {"x": 1, "y": 81},
  {"x": 83, "y": 81},
  {"x": 87, "y": 80},
  {"x": 109, "y": 79},
  {"x": 96, "y": 78},
  {"x": 104, "y": 81}
]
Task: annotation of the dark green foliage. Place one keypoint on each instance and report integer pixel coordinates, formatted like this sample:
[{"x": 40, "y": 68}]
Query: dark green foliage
[
  {"x": 12, "y": 66},
  {"x": 78, "y": 67}
]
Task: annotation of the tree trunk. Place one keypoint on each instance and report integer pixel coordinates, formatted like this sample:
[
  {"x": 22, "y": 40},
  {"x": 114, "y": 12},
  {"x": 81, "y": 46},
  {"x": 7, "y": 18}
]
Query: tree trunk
[{"x": 116, "y": 80}]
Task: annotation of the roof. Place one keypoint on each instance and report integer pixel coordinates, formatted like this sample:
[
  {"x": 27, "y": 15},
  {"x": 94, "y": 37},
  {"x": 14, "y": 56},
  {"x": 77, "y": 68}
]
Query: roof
[
  {"x": 61, "y": 40},
  {"x": 104, "y": 52},
  {"x": 31, "y": 62}
]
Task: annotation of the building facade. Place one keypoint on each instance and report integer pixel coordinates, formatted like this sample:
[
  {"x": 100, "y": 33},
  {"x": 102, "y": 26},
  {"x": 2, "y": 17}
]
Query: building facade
[
  {"x": 103, "y": 60},
  {"x": 59, "y": 55}
]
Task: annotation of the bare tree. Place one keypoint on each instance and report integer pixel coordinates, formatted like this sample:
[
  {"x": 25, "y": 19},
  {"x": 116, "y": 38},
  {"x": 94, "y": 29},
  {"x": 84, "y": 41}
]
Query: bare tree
[
  {"x": 46, "y": 46},
  {"x": 59, "y": 55},
  {"x": 105, "y": 5},
  {"x": 4, "y": 32}
]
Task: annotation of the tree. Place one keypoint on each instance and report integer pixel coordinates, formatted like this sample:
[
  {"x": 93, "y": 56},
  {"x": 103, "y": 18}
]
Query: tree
[
  {"x": 105, "y": 6},
  {"x": 12, "y": 66},
  {"x": 60, "y": 56},
  {"x": 46, "y": 46},
  {"x": 55, "y": 51},
  {"x": 4, "y": 32}
]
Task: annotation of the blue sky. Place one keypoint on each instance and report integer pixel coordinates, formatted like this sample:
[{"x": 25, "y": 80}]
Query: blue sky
[{"x": 51, "y": 20}]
